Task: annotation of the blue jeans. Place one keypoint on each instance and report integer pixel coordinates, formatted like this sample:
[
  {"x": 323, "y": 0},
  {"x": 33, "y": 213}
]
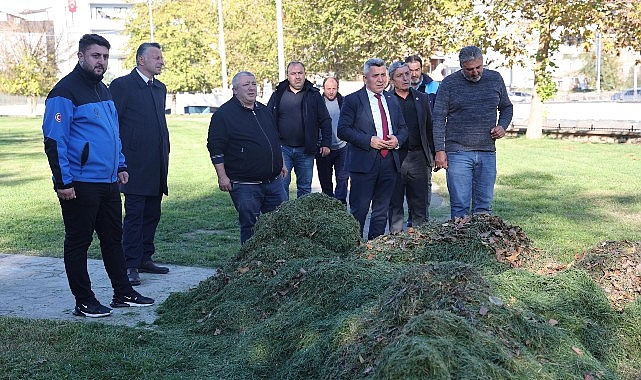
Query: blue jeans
[
  {"x": 470, "y": 180},
  {"x": 250, "y": 200},
  {"x": 335, "y": 161},
  {"x": 303, "y": 165}
]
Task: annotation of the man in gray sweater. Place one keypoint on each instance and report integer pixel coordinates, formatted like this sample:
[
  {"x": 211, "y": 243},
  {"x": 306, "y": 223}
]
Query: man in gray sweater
[{"x": 465, "y": 130}]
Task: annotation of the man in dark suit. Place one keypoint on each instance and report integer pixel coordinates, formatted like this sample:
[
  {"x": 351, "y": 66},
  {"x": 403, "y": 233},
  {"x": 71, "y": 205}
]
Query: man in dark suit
[
  {"x": 140, "y": 102},
  {"x": 371, "y": 121},
  {"x": 417, "y": 154}
]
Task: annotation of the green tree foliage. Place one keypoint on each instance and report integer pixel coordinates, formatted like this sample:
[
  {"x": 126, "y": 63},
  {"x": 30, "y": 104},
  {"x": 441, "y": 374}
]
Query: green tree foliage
[
  {"x": 28, "y": 62},
  {"x": 338, "y": 35},
  {"x": 250, "y": 38},
  {"x": 516, "y": 25},
  {"x": 622, "y": 19},
  {"x": 187, "y": 31}
]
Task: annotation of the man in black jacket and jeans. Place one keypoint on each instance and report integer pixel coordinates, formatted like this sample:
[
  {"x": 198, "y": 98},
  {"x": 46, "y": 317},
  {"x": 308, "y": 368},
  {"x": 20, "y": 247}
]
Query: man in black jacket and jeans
[
  {"x": 244, "y": 148},
  {"x": 300, "y": 114}
]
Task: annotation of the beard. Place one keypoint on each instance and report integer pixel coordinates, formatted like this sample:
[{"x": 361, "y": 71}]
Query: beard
[
  {"x": 472, "y": 79},
  {"x": 90, "y": 70}
]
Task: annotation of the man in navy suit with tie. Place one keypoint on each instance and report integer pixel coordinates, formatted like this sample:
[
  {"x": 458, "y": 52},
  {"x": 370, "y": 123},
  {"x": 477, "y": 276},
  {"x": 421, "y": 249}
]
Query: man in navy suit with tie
[
  {"x": 140, "y": 101},
  {"x": 371, "y": 121}
]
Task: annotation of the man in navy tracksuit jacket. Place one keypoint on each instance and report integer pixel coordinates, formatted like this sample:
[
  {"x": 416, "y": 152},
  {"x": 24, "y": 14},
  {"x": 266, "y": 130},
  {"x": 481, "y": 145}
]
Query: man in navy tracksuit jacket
[{"x": 83, "y": 147}]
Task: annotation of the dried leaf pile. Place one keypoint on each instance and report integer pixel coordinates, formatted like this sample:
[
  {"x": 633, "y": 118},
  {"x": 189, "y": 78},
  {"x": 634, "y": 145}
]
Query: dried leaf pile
[{"x": 616, "y": 267}]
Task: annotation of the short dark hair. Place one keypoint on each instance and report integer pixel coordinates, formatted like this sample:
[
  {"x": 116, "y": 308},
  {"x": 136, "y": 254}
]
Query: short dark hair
[
  {"x": 92, "y": 39},
  {"x": 143, "y": 48},
  {"x": 414, "y": 58}
]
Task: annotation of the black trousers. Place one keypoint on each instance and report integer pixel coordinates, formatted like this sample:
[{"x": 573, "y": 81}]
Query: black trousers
[
  {"x": 97, "y": 207},
  {"x": 411, "y": 184},
  {"x": 142, "y": 215}
]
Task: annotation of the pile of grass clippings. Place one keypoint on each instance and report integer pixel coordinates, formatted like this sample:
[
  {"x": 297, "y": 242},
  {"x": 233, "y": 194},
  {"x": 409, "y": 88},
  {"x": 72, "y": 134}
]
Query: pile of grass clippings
[
  {"x": 313, "y": 225},
  {"x": 616, "y": 267},
  {"x": 305, "y": 299}
]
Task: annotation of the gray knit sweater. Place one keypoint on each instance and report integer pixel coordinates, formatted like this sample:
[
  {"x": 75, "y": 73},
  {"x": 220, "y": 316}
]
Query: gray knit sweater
[{"x": 465, "y": 112}]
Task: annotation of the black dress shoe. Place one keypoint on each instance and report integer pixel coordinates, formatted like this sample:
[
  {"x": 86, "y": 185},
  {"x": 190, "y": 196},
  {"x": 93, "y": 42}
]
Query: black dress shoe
[
  {"x": 133, "y": 276},
  {"x": 151, "y": 267}
]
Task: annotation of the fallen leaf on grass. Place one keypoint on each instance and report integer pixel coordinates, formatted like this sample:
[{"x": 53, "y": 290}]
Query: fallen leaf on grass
[
  {"x": 577, "y": 350},
  {"x": 242, "y": 270},
  {"x": 483, "y": 311},
  {"x": 495, "y": 301},
  {"x": 553, "y": 322}
]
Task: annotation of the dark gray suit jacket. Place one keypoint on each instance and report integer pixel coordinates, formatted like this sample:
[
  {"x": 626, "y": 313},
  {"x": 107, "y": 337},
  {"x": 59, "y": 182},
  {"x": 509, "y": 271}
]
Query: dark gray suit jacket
[
  {"x": 356, "y": 126},
  {"x": 424, "y": 114},
  {"x": 144, "y": 133}
]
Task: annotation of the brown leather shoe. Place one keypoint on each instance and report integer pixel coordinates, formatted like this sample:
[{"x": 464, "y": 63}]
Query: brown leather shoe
[
  {"x": 133, "y": 276},
  {"x": 151, "y": 267}
]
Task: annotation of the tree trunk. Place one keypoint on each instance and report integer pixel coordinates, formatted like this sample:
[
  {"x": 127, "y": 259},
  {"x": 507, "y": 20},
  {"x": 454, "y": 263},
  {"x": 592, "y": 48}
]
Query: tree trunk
[
  {"x": 535, "y": 120},
  {"x": 33, "y": 104},
  {"x": 174, "y": 105}
]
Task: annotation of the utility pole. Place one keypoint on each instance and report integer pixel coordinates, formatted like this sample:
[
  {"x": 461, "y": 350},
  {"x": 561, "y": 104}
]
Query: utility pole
[
  {"x": 151, "y": 22},
  {"x": 598, "y": 62},
  {"x": 281, "y": 44},
  {"x": 221, "y": 47}
]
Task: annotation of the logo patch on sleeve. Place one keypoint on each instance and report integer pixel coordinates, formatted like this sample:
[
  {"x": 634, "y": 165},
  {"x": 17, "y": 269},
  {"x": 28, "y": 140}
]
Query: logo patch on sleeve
[{"x": 58, "y": 117}]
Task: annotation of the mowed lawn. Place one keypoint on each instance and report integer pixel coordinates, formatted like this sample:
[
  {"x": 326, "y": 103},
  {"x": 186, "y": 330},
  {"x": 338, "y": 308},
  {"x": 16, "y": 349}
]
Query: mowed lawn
[{"x": 567, "y": 196}]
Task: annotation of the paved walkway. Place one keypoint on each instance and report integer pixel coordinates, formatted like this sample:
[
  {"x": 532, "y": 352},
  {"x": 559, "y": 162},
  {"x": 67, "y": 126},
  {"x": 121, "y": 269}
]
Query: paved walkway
[{"x": 37, "y": 287}]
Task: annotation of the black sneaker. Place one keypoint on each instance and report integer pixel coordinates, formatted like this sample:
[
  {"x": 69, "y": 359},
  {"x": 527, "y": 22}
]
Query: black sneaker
[
  {"x": 133, "y": 299},
  {"x": 91, "y": 310}
]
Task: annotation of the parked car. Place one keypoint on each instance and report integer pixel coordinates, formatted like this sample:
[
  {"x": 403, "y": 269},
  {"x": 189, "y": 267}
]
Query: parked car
[
  {"x": 519, "y": 97},
  {"x": 627, "y": 95}
]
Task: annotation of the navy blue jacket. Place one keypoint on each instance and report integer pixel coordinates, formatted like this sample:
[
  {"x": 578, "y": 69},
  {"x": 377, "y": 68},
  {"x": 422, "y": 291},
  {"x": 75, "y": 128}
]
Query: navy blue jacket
[
  {"x": 356, "y": 126},
  {"x": 316, "y": 120},
  {"x": 144, "y": 133},
  {"x": 80, "y": 128}
]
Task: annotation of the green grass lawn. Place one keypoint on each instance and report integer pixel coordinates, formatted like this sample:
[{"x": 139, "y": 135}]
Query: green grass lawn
[
  {"x": 567, "y": 196},
  {"x": 198, "y": 225}
]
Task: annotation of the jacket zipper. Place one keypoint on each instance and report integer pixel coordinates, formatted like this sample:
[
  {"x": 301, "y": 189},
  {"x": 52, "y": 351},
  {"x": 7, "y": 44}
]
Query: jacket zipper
[{"x": 271, "y": 148}]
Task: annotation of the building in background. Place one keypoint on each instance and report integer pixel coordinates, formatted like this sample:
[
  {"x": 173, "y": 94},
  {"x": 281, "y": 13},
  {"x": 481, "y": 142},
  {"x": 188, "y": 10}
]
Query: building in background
[{"x": 70, "y": 20}]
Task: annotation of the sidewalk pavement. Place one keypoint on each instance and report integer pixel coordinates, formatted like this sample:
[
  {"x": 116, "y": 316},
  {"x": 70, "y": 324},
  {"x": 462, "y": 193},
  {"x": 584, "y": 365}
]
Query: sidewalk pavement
[{"x": 37, "y": 287}]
